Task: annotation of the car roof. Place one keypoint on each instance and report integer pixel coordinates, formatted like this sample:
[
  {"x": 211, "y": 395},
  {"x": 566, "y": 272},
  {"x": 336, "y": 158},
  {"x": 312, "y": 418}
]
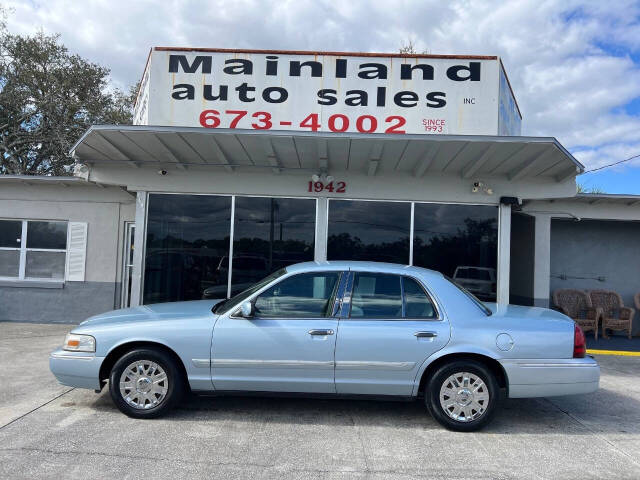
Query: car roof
[{"x": 363, "y": 267}]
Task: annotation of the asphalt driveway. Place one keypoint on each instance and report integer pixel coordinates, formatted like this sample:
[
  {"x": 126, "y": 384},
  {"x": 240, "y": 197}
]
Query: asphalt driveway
[{"x": 47, "y": 430}]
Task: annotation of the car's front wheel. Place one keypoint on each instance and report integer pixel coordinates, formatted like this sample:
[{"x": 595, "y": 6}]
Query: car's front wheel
[
  {"x": 145, "y": 383},
  {"x": 462, "y": 395}
]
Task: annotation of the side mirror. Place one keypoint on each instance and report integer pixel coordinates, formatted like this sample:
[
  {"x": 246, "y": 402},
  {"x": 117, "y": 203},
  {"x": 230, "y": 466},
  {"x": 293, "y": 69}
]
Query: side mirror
[{"x": 247, "y": 309}]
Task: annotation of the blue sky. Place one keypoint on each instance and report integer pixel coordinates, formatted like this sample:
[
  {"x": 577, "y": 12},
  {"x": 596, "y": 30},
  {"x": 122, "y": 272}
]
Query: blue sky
[{"x": 574, "y": 64}]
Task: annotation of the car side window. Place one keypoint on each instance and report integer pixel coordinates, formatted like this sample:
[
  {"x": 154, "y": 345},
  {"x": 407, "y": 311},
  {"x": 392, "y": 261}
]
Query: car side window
[
  {"x": 307, "y": 295},
  {"x": 376, "y": 295},
  {"x": 417, "y": 303}
]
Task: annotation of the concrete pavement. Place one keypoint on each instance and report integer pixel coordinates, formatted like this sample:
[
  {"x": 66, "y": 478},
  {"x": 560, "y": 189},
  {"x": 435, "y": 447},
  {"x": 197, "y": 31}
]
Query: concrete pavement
[{"x": 47, "y": 431}]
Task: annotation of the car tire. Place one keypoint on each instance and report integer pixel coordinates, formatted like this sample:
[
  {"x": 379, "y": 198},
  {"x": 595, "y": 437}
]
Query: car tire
[
  {"x": 146, "y": 383},
  {"x": 462, "y": 395}
]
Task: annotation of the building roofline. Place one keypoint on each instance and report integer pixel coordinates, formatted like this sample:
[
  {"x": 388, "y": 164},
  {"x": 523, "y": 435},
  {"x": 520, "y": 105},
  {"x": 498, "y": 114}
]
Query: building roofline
[
  {"x": 42, "y": 179},
  {"x": 613, "y": 196},
  {"x": 321, "y": 53}
]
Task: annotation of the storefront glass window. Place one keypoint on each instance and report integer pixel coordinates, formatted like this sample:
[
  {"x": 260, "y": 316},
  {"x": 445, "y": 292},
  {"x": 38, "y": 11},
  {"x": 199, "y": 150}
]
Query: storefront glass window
[
  {"x": 187, "y": 246},
  {"x": 374, "y": 231},
  {"x": 461, "y": 241},
  {"x": 270, "y": 233}
]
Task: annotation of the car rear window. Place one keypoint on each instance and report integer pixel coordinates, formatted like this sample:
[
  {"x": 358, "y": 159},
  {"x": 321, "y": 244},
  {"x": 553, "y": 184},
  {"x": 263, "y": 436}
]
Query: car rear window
[{"x": 472, "y": 297}]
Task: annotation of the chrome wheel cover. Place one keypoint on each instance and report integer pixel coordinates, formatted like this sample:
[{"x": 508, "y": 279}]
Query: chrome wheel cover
[
  {"x": 464, "y": 397},
  {"x": 143, "y": 384}
]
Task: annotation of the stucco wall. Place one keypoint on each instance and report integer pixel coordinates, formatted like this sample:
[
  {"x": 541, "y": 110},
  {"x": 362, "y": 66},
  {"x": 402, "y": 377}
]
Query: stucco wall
[
  {"x": 105, "y": 210},
  {"x": 597, "y": 248}
]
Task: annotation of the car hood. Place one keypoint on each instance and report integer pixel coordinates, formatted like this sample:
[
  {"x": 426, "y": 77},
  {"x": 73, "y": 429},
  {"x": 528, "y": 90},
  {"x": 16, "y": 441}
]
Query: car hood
[
  {"x": 530, "y": 312},
  {"x": 158, "y": 311}
]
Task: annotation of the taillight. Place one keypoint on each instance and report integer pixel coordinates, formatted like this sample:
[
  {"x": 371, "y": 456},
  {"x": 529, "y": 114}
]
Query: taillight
[{"x": 579, "y": 342}]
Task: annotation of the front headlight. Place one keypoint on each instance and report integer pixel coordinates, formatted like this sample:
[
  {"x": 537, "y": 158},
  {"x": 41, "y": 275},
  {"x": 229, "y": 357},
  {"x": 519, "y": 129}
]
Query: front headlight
[{"x": 79, "y": 343}]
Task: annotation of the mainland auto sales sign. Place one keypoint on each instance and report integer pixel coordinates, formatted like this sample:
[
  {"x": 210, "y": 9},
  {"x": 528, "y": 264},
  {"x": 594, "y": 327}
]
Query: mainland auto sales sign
[{"x": 327, "y": 92}]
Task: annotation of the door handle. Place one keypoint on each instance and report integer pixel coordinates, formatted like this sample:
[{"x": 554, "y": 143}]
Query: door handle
[
  {"x": 426, "y": 334},
  {"x": 320, "y": 332}
]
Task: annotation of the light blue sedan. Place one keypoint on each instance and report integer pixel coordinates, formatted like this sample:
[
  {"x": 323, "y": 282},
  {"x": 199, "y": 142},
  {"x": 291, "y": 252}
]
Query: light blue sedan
[{"x": 333, "y": 329}]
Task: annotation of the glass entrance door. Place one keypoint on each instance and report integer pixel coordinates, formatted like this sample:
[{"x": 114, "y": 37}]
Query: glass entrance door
[{"x": 127, "y": 263}]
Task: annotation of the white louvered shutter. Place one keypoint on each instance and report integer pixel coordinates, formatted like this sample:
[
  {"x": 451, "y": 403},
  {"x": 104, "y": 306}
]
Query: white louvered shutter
[{"x": 76, "y": 251}]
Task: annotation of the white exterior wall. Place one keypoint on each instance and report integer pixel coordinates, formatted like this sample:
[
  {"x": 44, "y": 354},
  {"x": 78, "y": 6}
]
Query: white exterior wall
[
  {"x": 104, "y": 210},
  {"x": 437, "y": 187}
]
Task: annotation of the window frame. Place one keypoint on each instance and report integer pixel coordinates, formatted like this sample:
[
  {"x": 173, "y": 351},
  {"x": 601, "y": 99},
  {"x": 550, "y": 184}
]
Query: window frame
[
  {"x": 23, "y": 249},
  {"x": 348, "y": 295}
]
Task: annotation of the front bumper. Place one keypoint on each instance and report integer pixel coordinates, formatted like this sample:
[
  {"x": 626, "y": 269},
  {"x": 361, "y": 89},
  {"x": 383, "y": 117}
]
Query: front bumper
[
  {"x": 551, "y": 377},
  {"x": 76, "y": 369}
]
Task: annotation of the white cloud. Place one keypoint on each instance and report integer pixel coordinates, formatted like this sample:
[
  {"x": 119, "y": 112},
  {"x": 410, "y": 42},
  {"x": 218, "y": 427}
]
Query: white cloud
[{"x": 571, "y": 63}]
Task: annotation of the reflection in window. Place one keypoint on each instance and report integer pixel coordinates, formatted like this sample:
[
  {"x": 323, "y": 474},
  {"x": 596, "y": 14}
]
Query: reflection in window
[
  {"x": 462, "y": 238},
  {"x": 307, "y": 295},
  {"x": 10, "y": 243},
  {"x": 416, "y": 302},
  {"x": 376, "y": 296},
  {"x": 187, "y": 245},
  {"x": 374, "y": 231},
  {"x": 270, "y": 233},
  {"x": 41, "y": 255},
  {"x": 50, "y": 235}
]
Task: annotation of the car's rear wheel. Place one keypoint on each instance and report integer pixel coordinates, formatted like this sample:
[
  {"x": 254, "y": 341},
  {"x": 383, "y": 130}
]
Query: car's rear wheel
[
  {"x": 145, "y": 383},
  {"x": 462, "y": 395}
]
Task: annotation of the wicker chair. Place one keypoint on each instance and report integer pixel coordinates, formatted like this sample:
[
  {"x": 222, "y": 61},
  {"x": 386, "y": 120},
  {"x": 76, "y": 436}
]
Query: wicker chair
[
  {"x": 615, "y": 316},
  {"x": 577, "y": 305}
]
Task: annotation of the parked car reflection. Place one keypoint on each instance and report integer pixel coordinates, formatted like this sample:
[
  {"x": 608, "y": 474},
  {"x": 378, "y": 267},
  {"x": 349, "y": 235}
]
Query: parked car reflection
[{"x": 481, "y": 281}]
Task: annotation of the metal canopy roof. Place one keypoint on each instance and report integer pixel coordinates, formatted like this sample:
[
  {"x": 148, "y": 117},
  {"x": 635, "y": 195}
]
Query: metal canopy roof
[{"x": 469, "y": 156}]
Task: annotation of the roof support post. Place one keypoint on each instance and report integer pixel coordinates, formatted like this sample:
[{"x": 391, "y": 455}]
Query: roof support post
[
  {"x": 139, "y": 242},
  {"x": 542, "y": 261},
  {"x": 322, "y": 220},
  {"x": 504, "y": 253}
]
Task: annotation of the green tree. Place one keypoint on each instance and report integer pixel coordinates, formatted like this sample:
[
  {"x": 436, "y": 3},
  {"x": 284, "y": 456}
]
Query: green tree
[
  {"x": 48, "y": 98},
  {"x": 584, "y": 189}
]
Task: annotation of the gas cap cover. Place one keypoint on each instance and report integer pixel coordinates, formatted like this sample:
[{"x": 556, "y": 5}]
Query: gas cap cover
[{"x": 504, "y": 342}]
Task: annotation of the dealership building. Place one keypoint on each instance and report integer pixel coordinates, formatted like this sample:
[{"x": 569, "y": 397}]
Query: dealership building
[{"x": 242, "y": 162}]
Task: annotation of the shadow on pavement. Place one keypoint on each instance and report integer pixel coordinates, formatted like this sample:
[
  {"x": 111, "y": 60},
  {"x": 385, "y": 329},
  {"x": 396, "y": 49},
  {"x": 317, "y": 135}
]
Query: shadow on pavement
[{"x": 564, "y": 415}]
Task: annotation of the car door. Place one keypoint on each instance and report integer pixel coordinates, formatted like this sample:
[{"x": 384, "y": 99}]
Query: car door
[
  {"x": 287, "y": 345},
  {"x": 388, "y": 326}
]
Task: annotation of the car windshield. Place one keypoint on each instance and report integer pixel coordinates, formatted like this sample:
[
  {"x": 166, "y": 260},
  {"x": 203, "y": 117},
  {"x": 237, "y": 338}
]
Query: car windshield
[
  {"x": 472, "y": 297},
  {"x": 224, "y": 307}
]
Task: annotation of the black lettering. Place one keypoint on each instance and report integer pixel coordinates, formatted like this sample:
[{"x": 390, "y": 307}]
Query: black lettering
[
  {"x": 242, "y": 66},
  {"x": 242, "y": 90},
  {"x": 359, "y": 98},
  {"x": 272, "y": 65},
  {"x": 377, "y": 71},
  {"x": 406, "y": 71},
  {"x": 341, "y": 68},
  {"x": 181, "y": 60},
  {"x": 436, "y": 99},
  {"x": 406, "y": 99},
  {"x": 473, "y": 72},
  {"x": 295, "y": 67},
  {"x": 327, "y": 96},
  {"x": 381, "y": 95},
  {"x": 282, "y": 94},
  {"x": 223, "y": 93},
  {"x": 185, "y": 92}
]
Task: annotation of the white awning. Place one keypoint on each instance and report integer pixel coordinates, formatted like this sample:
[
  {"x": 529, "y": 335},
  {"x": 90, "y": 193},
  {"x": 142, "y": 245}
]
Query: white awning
[{"x": 469, "y": 156}]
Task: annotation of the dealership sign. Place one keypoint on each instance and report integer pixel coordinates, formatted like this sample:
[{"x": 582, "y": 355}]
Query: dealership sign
[{"x": 327, "y": 92}]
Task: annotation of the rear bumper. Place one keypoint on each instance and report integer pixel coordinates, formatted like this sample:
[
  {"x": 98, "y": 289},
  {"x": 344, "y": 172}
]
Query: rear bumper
[
  {"x": 551, "y": 377},
  {"x": 76, "y": 369}
]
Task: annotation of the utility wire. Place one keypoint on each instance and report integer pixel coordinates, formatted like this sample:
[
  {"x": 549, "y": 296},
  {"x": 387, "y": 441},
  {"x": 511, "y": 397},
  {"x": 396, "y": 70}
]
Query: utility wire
[{"x": 612, "y": 164}]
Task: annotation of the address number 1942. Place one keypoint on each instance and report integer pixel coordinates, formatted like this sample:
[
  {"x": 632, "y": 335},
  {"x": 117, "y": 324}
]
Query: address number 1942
[{"x": 318, "y": 187}]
